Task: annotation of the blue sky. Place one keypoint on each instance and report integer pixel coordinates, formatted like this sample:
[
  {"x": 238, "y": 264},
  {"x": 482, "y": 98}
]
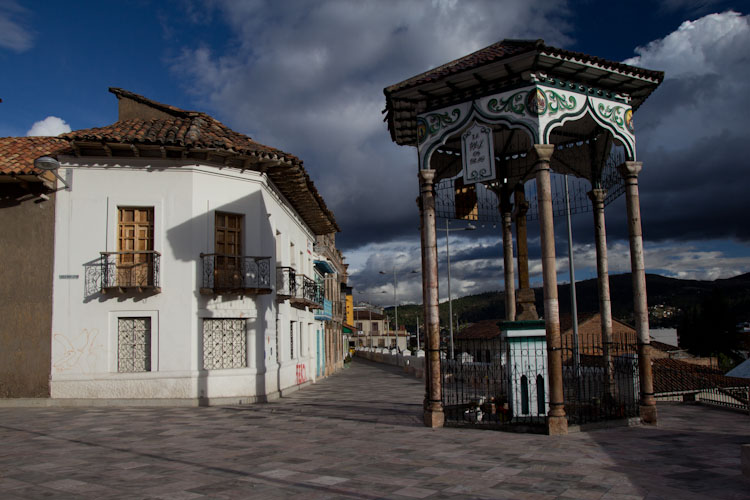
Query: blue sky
[{"x": 307, "y": 77}]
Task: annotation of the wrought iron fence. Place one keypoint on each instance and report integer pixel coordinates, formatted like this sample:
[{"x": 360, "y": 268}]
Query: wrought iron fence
[
  {"x": 223, "y": 272},
  {"x": 492, "y": 383},
  {"x": 600, "y": 381},
  {"x": 134, "y": 269},
  {"x": 479, "y": 202},
  {"x": 676, "y": 380},
  {"x": 505, "y": 382}
]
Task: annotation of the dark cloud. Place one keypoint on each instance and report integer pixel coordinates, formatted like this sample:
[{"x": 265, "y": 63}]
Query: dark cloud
[{"x": 307, "y": 77}]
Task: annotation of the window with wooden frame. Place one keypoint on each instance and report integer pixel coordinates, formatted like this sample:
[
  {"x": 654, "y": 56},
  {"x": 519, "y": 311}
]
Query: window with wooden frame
[
  {"x": 228, "y": 249},
  {"x": 135, "y": 246}
]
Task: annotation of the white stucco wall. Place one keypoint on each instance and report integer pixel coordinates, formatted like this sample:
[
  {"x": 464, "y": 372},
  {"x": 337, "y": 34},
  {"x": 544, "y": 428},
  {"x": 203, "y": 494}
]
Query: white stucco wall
[{"x": 185, "y": 197}]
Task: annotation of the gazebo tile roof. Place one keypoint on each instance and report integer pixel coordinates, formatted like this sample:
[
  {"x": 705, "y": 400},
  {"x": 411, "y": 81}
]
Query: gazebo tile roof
[
  {"x": 507, "y": 48},
  {"x": 483, "y": 56}
]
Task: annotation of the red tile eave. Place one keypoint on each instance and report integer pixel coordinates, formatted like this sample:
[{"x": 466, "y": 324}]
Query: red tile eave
[{"x": 17, "y": 154}]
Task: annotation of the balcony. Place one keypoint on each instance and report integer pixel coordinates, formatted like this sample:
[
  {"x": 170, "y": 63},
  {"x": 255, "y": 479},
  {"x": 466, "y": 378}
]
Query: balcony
[
  {"x": 326, "y": 313},
  {"x": 300, "y": 290},
  {"x": 130, "y": 271},
  {"x": 232, "y": 274}
]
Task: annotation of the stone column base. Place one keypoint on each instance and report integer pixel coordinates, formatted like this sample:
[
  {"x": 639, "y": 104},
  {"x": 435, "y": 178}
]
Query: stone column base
[
  {"x": 648, "y": 414},
  {"x": 434, "y": 418},
  {"x": 525, "y": 305},
  {"x": 557, "y": 426}
]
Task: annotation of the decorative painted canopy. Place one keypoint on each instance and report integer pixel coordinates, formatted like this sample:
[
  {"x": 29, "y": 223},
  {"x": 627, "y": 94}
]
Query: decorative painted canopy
[{"x": 503, "y": 66}]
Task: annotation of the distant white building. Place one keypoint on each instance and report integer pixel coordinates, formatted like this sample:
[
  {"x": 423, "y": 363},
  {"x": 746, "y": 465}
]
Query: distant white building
[
  {"x": 184, "y": 263},
  {"x": 664, "y": 335}
]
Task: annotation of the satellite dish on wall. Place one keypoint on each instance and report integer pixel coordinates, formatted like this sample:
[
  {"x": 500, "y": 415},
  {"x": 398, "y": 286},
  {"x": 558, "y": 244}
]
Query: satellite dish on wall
[{"x": 46, "y": 163}]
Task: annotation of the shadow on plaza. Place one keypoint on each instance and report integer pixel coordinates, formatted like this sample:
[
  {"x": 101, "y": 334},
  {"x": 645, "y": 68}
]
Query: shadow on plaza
[
  {"x": 220, "y": 472},
  {"x": 354, "y": 398},
  {"x": 693, "y": 452}
]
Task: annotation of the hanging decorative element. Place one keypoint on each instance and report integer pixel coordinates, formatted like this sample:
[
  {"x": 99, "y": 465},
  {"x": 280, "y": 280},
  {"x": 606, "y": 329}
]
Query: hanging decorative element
[{"x": 478, "y": 154}]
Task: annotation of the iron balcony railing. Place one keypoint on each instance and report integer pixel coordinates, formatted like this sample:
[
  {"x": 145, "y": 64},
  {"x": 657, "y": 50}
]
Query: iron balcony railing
[
  {"x": 130, "y": 270},
  {"x": 224, "y": 273},
  {"x": 300, "y": 290}
]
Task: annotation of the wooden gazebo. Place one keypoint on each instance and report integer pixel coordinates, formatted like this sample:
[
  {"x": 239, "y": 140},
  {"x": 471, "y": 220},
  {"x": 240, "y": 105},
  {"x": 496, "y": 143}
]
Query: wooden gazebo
[{"x": 506, "y": 115}]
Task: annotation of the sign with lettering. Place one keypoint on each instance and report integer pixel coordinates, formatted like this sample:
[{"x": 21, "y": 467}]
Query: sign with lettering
[
  {"x": 478, "y": 155},
  {"x": 68, "y": 276}
]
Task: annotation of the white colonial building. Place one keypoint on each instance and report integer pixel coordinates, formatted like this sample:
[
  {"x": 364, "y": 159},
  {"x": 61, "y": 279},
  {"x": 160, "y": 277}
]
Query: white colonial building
[{"x": 184, "y": 264}]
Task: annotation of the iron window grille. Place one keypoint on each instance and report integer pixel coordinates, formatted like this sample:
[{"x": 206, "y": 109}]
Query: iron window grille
[
  {"x": 224, "y": 344},
  {"x": 134, "y": 344}
]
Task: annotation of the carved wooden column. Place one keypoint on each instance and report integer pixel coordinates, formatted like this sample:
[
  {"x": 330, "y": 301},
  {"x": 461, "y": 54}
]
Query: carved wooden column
[
  {"x": 556, "y": 421},
  {"x": 629, "y": 172},
  {"x": 510, "y": 285},
  {"x": 433, "y": 414},
  {"x": 426, "y": 366},
  {"x": 597, "y": 197},
  {"x": 525, "y": 300}
]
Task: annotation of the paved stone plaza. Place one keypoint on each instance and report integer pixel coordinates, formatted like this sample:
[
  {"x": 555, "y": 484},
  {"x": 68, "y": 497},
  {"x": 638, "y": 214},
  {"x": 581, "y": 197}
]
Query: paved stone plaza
[{"x": 358, "y": 434}]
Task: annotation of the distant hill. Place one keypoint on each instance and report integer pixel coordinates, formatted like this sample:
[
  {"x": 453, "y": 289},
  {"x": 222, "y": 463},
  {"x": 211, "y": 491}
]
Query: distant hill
[{"x": 672, "y": 292}]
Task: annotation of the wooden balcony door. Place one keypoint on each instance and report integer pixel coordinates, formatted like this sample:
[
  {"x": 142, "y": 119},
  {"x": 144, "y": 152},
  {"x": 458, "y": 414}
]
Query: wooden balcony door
[
  {"x": 135, "y": 242},
  {"x": 228, "y": 249}
]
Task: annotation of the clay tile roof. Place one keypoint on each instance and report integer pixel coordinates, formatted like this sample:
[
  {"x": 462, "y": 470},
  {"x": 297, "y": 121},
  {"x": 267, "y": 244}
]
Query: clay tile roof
[
  {"x": 184, "y": 128},
  {"x": 17, "y": 154},
  {"x": 496, "y": 51},
  {"x": 671, "y": 375},
  {"x": 196, "y": 131},
  {"x": 507, "y": 48},
  {"x": 486, "y": 329}
]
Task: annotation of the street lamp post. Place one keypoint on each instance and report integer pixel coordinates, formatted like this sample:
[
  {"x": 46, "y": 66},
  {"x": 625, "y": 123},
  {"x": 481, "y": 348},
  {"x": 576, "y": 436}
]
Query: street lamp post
[{"x": 470, "y": 227}]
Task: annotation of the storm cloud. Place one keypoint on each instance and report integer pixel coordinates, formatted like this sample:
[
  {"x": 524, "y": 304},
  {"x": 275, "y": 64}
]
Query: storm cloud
[{"x": 307, "y": 77}]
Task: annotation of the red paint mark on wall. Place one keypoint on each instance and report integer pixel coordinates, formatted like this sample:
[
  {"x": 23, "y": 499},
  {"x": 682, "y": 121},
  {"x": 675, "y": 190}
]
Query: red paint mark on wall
[{"x": 301, "y": 374}]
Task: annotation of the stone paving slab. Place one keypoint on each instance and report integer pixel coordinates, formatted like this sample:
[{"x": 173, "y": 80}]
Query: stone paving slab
[{"x": 358, "y": 434}]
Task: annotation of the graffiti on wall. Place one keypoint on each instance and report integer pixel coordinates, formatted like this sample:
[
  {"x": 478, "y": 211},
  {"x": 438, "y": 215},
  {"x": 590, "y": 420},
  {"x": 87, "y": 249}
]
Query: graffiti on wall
[
  {"x": 79, "y": 351},
  {"x": 301, "y": 374}
]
